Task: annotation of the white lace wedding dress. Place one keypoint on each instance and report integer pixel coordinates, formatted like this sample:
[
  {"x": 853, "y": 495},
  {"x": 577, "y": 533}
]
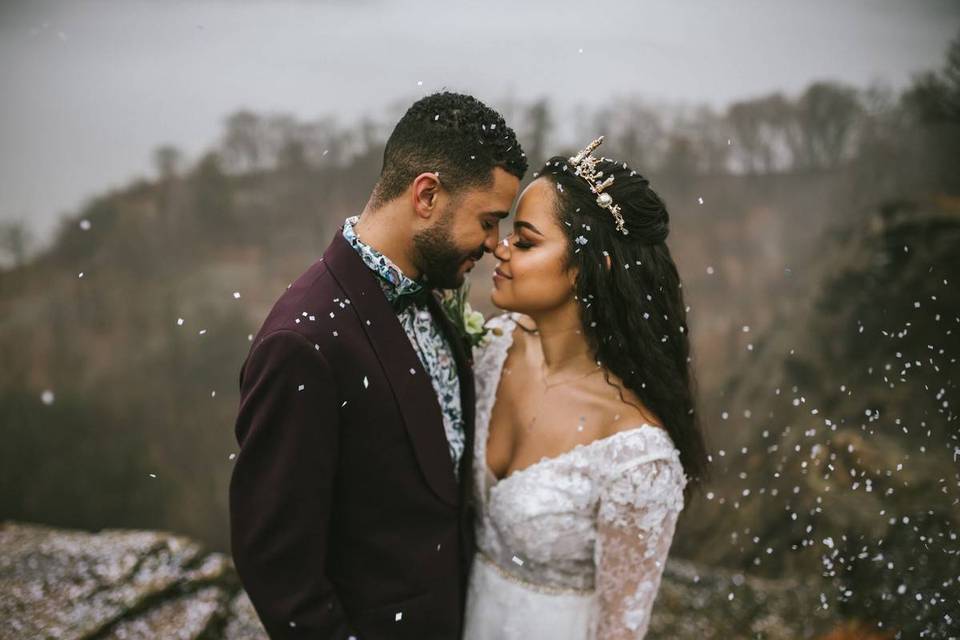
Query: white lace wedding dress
[{"x": 572, "y": 547}]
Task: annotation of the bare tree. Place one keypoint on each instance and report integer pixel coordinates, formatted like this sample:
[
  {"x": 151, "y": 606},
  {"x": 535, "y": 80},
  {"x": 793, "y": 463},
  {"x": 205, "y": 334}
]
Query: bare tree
[
  {"x": 828, "y": 115},
  {"x": 167, "y": 160},
  {"x": 15, "y": 242}
]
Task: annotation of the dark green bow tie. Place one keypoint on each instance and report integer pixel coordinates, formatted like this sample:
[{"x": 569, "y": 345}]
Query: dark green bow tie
[{"x": 416, "y": 298}]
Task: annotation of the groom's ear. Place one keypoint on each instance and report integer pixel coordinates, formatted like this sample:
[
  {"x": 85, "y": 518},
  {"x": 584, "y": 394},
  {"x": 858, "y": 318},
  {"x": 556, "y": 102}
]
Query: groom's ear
[{"x": 426, "y": 194}]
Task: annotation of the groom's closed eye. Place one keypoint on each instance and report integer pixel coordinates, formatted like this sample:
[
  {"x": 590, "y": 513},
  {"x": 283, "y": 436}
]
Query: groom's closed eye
[{"x": 493, "y": 218}]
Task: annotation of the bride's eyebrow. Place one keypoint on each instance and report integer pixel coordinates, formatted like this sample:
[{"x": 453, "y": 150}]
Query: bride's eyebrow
[{"x": 524, "y": 223}]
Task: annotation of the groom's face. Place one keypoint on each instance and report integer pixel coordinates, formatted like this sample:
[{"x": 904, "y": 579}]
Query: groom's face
[{"x": 466, "y": 228}]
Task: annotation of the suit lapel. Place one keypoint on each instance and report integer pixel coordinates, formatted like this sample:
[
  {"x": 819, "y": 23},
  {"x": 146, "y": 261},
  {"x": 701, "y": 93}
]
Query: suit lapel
[{"x": 413, "y": 393}]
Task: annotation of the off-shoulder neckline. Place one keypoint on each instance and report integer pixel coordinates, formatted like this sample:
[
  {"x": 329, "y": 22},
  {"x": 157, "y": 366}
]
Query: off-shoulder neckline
[
  {"x": 505, "y": 346},
  {"x": 578, "y": 447}
]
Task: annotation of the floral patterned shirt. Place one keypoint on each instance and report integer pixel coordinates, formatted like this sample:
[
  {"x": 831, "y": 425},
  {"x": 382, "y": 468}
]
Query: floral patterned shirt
[{"x": 424, "y": 335}]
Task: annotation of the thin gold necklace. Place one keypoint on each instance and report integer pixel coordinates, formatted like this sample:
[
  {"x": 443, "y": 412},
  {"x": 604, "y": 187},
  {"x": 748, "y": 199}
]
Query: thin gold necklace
[{"x": 547, "y": 387}]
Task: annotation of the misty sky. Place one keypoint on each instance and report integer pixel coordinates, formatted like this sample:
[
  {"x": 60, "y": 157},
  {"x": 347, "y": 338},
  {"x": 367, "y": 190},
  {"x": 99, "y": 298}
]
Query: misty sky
[{"x": 91, "y": 88}]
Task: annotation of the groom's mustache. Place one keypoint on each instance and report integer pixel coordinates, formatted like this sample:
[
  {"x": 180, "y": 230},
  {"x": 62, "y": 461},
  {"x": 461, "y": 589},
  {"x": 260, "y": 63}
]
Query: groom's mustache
[{"x": 476, "y": 255}]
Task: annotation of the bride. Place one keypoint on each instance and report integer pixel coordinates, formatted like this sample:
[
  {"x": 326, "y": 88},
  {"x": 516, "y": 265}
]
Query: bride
[{"x": 586, "y": 437}]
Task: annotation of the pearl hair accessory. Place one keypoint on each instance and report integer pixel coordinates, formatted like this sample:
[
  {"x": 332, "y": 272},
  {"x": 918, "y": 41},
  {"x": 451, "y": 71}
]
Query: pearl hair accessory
[{"x": 585, "y": 166}]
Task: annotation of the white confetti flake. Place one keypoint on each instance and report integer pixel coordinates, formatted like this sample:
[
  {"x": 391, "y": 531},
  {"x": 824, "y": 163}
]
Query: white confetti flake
[
  {"x": 232, "y": 456},
  {"x": 153, "y": 475},
  {"x": 579, "y": 50},
  {"x": 412, "y": 371},
  {"x": 300, "y": 388},
  {"x": 47, "y": 397},
  {"x": 398, "y": 617},
  {"x": 517, "y": 561},
  {"x": 81, "y": 275},
  {"x": 581, "y": 240},
  {"x": 419, "y": 83},
  {"x": 201, "y": 332},
  {"x": 366, "y": 383},
  {"x": 213, "y": 394},
  {"x": 85, "y": 225},
  {"x": 179, "y": 322},
  {"x": 700, "y": 200},
  {"x": 709, "y": 271},
  {"x": 828, "y": 542},
  {"x": 236, "y": 295}
]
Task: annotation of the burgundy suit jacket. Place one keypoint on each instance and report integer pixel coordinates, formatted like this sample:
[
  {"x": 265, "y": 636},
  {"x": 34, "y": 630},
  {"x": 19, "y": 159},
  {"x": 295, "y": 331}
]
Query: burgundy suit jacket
[{"x": 345, "y": 515}]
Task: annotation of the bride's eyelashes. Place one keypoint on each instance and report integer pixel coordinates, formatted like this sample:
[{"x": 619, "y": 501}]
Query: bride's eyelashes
[{"x": 523, "y": 246}]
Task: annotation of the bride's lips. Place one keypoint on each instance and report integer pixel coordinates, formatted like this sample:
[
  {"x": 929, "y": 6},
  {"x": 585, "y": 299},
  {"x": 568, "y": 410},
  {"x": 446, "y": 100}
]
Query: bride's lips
[{"x": 497, "y": 273}]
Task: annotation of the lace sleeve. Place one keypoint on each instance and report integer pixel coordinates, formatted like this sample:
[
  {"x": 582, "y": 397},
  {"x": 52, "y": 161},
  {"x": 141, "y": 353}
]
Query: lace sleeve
[{"x": 638, "y": 511}]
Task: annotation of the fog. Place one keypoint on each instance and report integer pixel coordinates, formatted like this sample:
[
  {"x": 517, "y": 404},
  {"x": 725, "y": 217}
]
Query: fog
[{"x": 90, "y": 88}]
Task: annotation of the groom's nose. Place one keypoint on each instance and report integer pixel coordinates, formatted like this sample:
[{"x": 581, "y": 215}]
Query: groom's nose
[{"x": 492, "y": 240}]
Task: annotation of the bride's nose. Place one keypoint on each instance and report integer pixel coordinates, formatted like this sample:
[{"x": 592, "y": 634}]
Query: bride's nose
[{"x": 502, "y": 252}]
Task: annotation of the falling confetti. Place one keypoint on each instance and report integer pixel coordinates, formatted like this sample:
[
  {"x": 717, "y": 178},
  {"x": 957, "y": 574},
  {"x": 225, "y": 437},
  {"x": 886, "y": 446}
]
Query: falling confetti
[{"x": 47, "y": 397}]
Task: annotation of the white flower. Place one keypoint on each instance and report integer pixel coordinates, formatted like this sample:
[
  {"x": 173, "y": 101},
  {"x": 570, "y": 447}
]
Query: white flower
[{"x": 472, "y": 320}]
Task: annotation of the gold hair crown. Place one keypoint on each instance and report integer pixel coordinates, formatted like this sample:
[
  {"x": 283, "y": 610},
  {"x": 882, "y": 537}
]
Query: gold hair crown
[{"x": 585, "y": 166}]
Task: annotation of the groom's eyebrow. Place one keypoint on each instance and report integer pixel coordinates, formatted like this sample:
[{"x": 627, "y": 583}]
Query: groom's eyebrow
[{"x": 524, "y": 223}]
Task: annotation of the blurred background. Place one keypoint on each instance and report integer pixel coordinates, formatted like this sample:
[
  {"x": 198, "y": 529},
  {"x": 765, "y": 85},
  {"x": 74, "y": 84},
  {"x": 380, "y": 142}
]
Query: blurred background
[{"x": 167, "y": 168}]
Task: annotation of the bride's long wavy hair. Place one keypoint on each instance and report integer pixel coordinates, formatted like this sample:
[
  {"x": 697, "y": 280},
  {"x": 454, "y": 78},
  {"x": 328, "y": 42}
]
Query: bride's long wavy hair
[{"x": 633, "y": 313}]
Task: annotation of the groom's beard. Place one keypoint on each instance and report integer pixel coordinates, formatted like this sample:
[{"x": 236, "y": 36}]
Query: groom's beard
[{"x": 438, "y": 256}]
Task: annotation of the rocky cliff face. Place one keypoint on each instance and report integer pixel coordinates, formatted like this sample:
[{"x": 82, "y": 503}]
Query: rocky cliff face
[{"x": 131, "y": 585}]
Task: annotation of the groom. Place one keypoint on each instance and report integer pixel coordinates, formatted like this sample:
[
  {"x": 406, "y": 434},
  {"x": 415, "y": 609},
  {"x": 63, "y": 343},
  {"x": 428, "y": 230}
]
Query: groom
[{"x": 348, "y": 501}]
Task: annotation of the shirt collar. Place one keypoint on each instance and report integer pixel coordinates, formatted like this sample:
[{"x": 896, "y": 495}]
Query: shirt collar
[{"x": 391, "y": 278}]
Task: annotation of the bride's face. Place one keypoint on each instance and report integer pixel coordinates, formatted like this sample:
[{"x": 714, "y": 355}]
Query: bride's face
[{"x": 531, "y": 276}]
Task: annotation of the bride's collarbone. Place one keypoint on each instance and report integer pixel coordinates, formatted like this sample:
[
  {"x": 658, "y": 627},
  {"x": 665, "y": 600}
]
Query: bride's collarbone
[{"x": 523, "y": 432}]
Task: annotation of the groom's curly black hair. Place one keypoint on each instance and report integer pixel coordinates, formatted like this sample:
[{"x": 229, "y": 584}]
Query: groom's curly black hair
[{"x": 453, "y": 134}]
